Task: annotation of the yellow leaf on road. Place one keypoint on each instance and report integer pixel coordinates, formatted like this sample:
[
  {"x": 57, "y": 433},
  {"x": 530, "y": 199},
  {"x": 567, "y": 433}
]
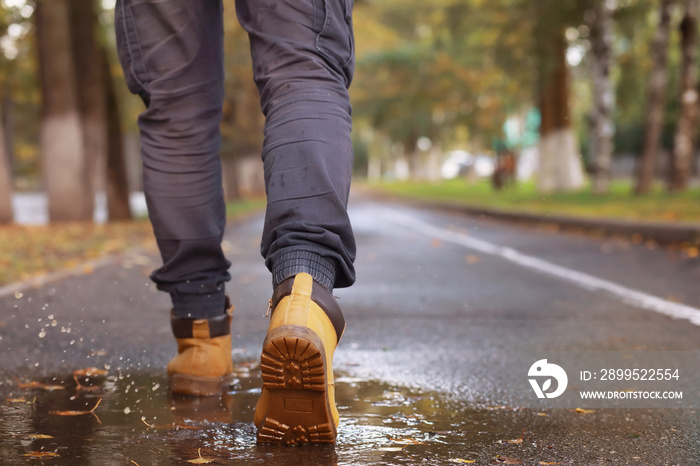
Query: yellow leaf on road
[
  {"x": 199, "y": 460},
  {"x": 42, "y": 454}
]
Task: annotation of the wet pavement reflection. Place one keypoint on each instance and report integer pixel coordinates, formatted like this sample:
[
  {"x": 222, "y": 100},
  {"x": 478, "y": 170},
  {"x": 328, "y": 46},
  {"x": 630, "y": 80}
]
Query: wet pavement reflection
[
  {"x": 130, "y": 418},
  {"x": 96, "y": 418}
]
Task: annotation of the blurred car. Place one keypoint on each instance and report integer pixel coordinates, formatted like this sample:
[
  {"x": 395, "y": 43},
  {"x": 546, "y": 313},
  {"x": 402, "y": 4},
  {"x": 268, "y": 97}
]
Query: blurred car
[{"x": 461, "y": 163}]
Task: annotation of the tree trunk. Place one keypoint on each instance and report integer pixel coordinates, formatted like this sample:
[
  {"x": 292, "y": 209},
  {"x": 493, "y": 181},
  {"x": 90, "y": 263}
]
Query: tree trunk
[
  {"x": 8, "y": 127},
  {"x": 61, "y": 142},
  {"x": 560, "y": 162},
  {"x": 5, "y": 182},
  {"x": 601, "y": 27},
  {"x": 91, "y": 93},
  {"x": 230, "y": 177},
  {"x": 681, "y": 159},
  {"x": 116, "y": 181},
  {"x": 656, "y": 97}
]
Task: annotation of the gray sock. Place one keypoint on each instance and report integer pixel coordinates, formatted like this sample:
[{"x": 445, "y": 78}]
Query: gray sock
[{"x": 288, "y": 264}]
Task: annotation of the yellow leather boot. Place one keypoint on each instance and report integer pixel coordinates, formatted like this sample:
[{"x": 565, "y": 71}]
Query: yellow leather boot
[
  {"x": 203, "y": 365},
  {"x": 297, "y": 403}
]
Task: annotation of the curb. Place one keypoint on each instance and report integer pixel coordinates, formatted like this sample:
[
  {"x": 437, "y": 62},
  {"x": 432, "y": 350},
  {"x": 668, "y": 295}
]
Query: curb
[{"x": 664, "y": 234}]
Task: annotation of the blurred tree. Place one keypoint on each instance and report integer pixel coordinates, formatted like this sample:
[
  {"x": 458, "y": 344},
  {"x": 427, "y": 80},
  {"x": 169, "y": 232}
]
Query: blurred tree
[
  {"x": 242, "y": 121},
  {"x": 62, "y": 144},
  {"x": 656, "y": 97},
  {"x": 116, "y": 182},
  {"x": 560, "y": 166},
  {"x": 683, "y": 146},
  {"x": 600, "y": 21},
  {"x": 6, "y": 215},
  {"x": 91, "y": 94}
]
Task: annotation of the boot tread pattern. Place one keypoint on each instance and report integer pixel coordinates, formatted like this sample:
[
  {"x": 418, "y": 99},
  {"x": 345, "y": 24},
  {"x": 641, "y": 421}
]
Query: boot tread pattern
[{"x": 290, "y": 362}]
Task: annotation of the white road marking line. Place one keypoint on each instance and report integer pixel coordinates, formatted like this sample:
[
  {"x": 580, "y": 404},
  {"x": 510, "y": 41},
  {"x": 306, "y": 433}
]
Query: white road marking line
[{"x": 582, "y": 280}]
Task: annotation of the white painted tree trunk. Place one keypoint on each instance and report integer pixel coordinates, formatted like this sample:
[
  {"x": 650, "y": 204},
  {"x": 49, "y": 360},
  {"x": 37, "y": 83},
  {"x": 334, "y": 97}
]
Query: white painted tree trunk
[
  {"x": 6, "y": 215},
  {"x": 656, "y": 99},
  {"x": 559, "y": 162},
  {"x": 601, "y": 27},
  {"x": 560, "y": 167},
  {"x": 685, "y": 132},
  {"x": 63, "y": 153}
]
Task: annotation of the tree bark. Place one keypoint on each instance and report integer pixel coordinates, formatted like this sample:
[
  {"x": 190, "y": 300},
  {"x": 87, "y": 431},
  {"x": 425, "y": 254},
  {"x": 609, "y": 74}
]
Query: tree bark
[
  {"x": 116, "y": 181},
  {"x": 91, "y": 93},
  {"x": 8, "y": 127},
  {"x": 6, "y": 215},
  {"x": 656, "y": 98},
  {"x": 682, "y": 156},
  {"x": 61, "y": 142},
  {"x": 560, "y": 162},
  {"x": 601, "y": 27}
]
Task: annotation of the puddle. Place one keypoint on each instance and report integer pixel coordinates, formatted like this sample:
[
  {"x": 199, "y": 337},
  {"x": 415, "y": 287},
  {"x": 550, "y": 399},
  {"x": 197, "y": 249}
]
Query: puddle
[{"x": 52, "y": 421}]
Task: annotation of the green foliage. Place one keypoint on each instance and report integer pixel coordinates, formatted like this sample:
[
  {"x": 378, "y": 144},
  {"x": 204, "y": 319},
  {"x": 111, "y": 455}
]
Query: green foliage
[{"x": 524, "y": 197}]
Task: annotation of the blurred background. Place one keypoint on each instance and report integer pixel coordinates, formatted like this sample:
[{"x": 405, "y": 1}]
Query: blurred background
[{"x": 453, "y": 98}]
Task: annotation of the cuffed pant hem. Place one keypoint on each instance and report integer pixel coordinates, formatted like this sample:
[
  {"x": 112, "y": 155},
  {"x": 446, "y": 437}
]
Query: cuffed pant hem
[
  {"x": 199, "y": 306},
  {"x": 288, "y": 264}
]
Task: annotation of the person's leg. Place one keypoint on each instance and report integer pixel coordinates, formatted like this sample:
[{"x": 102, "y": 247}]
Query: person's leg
[
  {"x": 303, "y": 63},
  {"x": 172, "y": 55}
]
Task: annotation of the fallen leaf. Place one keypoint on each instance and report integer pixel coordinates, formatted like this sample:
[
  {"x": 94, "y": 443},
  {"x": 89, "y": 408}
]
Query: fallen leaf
[
  {"x": 461, "y": 460},
  {"x": 472, "y": 259},
  {"x": 184, "y": 426},
  {"x": 517, "y": 440},
  {"x": 542, "y": 414},
  {"x": 89, "y": 372},
  {"x": 199, "y": 460},
  {"x": 51, "y": 388},
  {"x": 407, "y": 441},
  {"x": 391, "y": 449},
  {"x": 546, "y": 462},
  {"x": 87, "y": 388},
  {"x": 507, "y": 460},
  {"x": 692, "y": 252},
  {"x": 35, "y": 384},
  {"x": 584, "y": 411},
  {"x": 436, "y": 242},
  {"x": 16, "y": 400},
  {"x": 32, "y": 384},
  {"x": 79, "y": 413},
  {"x": 42, "y": 454},
  {"x": 39, "y": 436}
]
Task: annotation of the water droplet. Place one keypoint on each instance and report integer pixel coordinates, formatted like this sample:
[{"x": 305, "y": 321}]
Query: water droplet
[
  {"x": 42, "y": 334},
  {"x": 18, "y": 295},
  {"x": 127, "y": 410},
  {"x": 156, "y": 387}
]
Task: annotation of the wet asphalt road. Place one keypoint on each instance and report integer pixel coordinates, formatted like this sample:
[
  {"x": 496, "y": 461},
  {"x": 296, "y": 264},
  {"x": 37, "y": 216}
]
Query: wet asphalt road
[{"x": 442, "y": 326}]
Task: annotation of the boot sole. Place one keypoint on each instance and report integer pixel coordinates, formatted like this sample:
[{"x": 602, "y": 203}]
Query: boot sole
[
  {"x": 195, "y": 385},
  {"x": 294, "y": 373}
]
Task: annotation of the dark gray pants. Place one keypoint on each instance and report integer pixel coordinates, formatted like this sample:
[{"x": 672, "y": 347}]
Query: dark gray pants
[{"x": 172, "y": 55}]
